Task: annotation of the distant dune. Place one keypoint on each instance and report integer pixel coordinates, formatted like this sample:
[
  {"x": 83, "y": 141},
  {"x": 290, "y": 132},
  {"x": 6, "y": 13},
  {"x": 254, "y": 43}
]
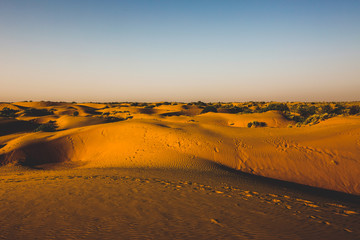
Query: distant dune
[{"x": 324, "y": 155}]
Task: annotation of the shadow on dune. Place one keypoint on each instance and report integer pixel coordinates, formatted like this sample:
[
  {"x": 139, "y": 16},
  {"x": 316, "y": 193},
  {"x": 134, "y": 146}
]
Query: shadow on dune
[
  {"x": 10, "y": 126},
  {"x": 49, "y": 156},
  {"x": 88, "y": 110},
  {"x": 147, "y": 110},
  {"x": 233, "y": 173},
  {"x": 170, "y": 114}
]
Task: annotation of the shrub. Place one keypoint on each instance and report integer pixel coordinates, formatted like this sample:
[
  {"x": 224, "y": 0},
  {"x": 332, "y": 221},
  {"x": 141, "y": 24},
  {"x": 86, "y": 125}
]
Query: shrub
[
  {"x": 149, "y": 106},
  {"x": 326, "y": 109},
  {"x": 306, "y": 111},
  {"x": 277, "y": 106},
  {"x": 76, "y": 113},
  {"x": 200, "y": 104},
  {"x": 339, "y": 109},
  {"x": 235, "y": 109},
  {"x": 315, "y": 119},
  {"x": 209, "y": 109},
  {"x": 293, "y": 117},
  {"x": 256, "y": 124},
  {"x": 185, "y": 107},
  {"x": 47, "y": 127},
  {"x": 34, "y": 112},
  {"x": 355, "y": 109},
  {"x": 114, "y": 119},
  {"x": 7, "y": 112},
  {"x": 143, "y": 104}
]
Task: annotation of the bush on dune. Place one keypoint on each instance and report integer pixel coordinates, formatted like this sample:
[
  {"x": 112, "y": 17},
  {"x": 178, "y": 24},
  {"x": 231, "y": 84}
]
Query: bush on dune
[
  {"x": 305, "y": 111},
  {"x": 325, "y": 109},
  {"x": 256, "y": 124},
  {"x": 209, "y": 109},
  {"x": 316, "y": 118},
  {"x": 47, "y": 127},
  {"x": 114, "y": 119},
  {"x": 277, "y": 107},
  {"x": 34, "y": 112},
  {"x": 149, "y": 106},
  {"x": 7, "y": 112},
  {"x": 353, "y": 110},
  {"x": 339, "y": 109}
]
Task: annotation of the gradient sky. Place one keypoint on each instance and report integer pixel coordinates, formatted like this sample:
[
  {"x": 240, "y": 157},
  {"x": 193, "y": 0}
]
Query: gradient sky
[{"x": 180, "y": 50}]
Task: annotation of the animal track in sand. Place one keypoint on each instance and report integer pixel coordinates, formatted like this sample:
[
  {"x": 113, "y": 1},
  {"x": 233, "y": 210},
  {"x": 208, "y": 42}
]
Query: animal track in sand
[
  {"x": 285, "y": 145},
  {"x": 241, "y": 155},
  {"x": 334, "y": 215},
  {"x": 296, "y": 205}
]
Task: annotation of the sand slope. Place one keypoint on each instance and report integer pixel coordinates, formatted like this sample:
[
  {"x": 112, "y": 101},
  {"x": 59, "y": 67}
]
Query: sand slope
[
  {"x": 324, "y": 155},
  {"x": 117, "y": 203}
]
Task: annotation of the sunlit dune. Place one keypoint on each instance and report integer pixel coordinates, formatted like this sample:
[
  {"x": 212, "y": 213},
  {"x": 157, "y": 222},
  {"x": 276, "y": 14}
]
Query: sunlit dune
[
  {"x": 179, "y": 170},
  {"x": 324, "y": 155}
]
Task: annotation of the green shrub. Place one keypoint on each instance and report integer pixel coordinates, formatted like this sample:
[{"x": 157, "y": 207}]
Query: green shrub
[
  {"x": 339, "y": 109},
  {"x": 149, "y": 106},
  {"x": 326, "y": 109},
  {"x": 34, "y": 112},
  {"x": 47, "y": 127},
  {"x": 256, "y": 124},
  {"x": 277, "y": 106},
  {"x": 76, "y": 113},
  {"x": 114, "y": 119},
  {"x": 355, "y": 109},
  {"x": 305, "y": 110},
  {"x": 7, "y": 112},
  {"x": 200, "y": 104},
  {"x": 236, "y": 109},
  {"x": 209, "y": 109},
  {"x": 316, "y": 118},
  {"x": 293, "y": 117}
]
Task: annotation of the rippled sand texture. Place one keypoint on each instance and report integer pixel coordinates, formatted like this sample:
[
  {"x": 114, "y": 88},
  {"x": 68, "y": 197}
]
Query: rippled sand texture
[
  {"x": 324, "y": 155},
  {"x": 169, "y": 172},
  {"x": 165, "y": 204}
]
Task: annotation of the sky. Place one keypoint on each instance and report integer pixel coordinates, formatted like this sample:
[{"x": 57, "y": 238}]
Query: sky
[{"x": 185, "y": 50}]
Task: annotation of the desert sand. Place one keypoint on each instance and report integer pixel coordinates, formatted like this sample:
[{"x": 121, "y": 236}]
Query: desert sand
[{"x": 174, "y": 171}]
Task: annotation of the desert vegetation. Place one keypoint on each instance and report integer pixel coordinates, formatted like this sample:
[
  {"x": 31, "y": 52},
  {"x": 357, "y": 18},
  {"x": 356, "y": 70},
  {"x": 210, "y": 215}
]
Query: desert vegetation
[
  {"x": 47, "y": 127},
  {"x": 256, "y": 124},
  {"x": 314, "y": 144}
]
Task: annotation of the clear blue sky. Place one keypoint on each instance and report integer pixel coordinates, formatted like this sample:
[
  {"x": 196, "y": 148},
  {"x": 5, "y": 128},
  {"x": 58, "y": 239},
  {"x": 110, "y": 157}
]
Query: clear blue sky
[{"x": 179, "y": 50}]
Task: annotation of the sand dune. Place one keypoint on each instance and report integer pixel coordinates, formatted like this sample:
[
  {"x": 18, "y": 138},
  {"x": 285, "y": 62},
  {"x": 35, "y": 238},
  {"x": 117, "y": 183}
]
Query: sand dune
[
  {"x": 151, "y": 171},
  {"x": 113, "y": 203},
  {"x": 323, "y": 155},
  {"x": 10, "y": 126}
]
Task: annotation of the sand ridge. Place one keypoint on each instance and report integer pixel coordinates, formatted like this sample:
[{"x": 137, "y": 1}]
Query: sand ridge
[
  {"x": 157, "y": 203},
  {"x": 323, "y": 155}
]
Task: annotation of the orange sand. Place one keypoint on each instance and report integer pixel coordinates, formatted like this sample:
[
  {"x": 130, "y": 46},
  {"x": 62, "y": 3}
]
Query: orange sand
[{"x": 325, "y": 155}]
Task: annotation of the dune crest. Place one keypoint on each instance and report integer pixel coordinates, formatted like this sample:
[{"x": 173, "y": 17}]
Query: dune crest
[
  {"x": 324, "y": 155},
  {"x": 312, "y": 144}
]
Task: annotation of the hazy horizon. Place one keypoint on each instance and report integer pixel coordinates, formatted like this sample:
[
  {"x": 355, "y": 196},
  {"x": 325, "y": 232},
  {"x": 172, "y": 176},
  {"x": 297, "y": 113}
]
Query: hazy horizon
[{"x": 180, "y": 51}]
